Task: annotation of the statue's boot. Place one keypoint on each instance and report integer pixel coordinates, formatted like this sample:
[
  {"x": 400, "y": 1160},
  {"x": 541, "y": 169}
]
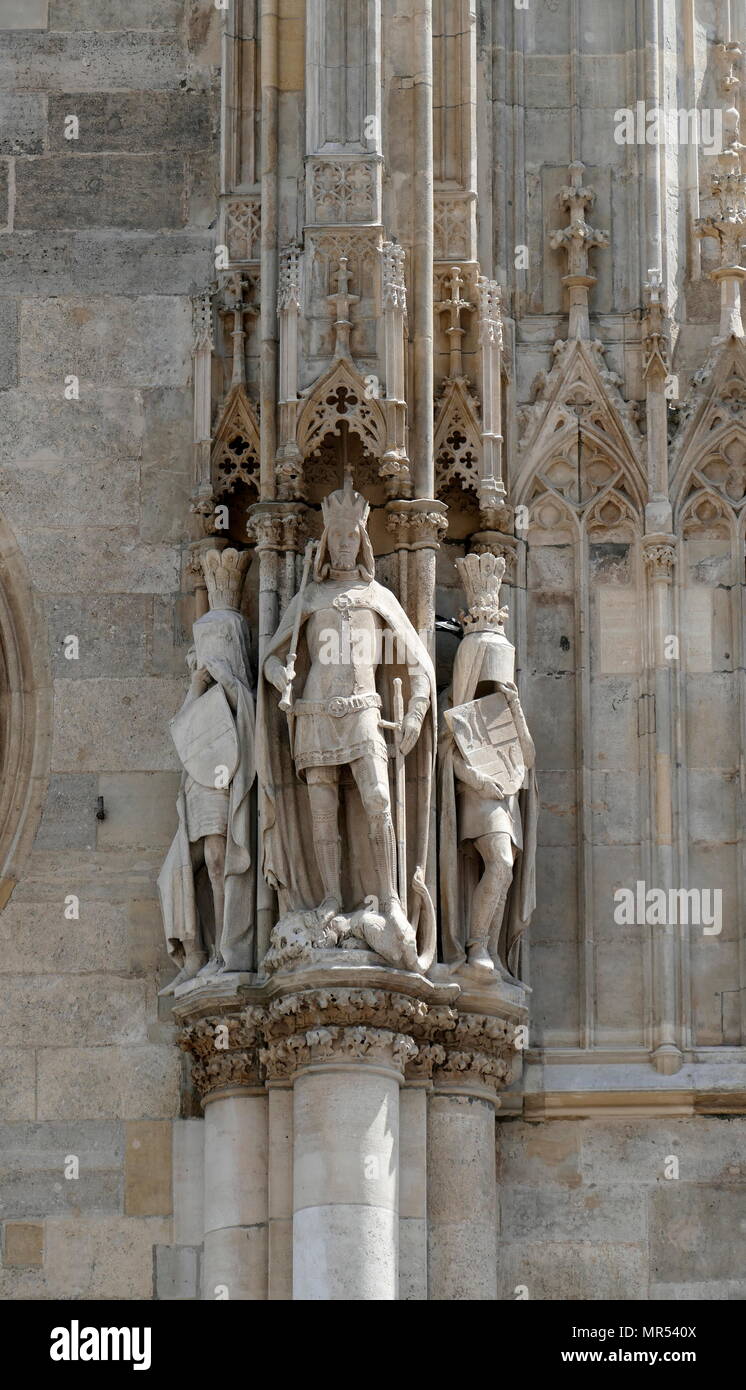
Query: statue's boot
[
  {"x": 213, "y": 966},
  {"x": 398, "y": 940},
  {"x": 487, "y": 909},
  {"x": 328, "y": 858},
  {"x": 193, "y": 963}
]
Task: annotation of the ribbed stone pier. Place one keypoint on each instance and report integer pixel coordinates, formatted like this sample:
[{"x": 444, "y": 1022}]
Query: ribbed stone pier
[{"x": 349, "y": 1131}]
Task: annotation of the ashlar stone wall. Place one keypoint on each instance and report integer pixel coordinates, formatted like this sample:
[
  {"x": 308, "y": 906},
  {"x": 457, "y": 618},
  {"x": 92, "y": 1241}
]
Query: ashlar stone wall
[{"x": 103, "y": 239}]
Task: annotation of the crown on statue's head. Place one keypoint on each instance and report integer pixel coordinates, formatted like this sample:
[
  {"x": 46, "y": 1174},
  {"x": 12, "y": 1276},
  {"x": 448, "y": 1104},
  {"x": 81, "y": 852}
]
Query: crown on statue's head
[
  {"x": 224, "y": 572},
  {"x": 482, "y": 576},
  {"x": 345, "y": 505}
]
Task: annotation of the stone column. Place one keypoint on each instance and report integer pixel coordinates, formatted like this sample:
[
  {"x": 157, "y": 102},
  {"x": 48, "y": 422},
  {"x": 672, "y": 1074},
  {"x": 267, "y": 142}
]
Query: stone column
[
  {"x": 413, "y": 1103},
  {"x": 421, "y": 448},
  {"x": 280, "y": 1188},
  {"x": 226, "y": 1074},
  {"x": 277, "y": 528},
  {"x": 346, "y": 1164},
  {"x": 270, "y": 83},
  {"x": 660, "y": 555},
  {"x": 461, "y": 1177}
]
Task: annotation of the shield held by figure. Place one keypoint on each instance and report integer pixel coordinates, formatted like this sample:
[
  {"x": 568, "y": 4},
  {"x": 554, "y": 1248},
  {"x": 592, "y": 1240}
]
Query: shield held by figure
[
  {"x": 205, "y": 738},
  {"x": 487, "y": 740}
]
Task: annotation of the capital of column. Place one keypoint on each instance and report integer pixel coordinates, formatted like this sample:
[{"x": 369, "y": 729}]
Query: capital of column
[
  {"x": 417, "y": 524},
  {"x": 338, "y": 1046},
  {"x": 659, "y": 554},
  {"x": 278, "y": 525},
  {"x": 499, "y": 544},
  {"x": 240, "y": 1046},
  {"x": 225, "y": 1053}
]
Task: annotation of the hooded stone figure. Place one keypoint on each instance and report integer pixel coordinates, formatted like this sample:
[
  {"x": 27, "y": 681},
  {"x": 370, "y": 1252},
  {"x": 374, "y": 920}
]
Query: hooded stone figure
[
  {"x": 481, "y": 816},
  {"x": 329, "y": 839},
  {"x": 206, "y": 885}
]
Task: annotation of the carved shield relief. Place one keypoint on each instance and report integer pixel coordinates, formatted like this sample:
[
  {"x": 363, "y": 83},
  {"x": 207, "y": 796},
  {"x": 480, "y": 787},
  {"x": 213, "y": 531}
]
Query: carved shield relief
[
  {"x": 487, "y": 740},
  {"x": 205, "y": 737}
]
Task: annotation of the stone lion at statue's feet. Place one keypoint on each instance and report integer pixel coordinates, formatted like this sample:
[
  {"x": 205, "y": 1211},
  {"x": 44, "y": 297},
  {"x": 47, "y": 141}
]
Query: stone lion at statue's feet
[{"x": 297, "y": 934}]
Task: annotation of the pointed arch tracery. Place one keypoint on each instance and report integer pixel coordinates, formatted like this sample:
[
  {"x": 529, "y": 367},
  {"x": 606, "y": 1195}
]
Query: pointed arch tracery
[
  {"x": 341, "y": 396},
  {"x": 235, "y": 450}
]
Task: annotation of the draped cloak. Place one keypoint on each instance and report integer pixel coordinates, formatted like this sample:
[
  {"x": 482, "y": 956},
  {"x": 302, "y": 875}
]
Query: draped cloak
[
  {"x": 177, "y": 884},
  {"x": 460, "y": 866},
  {"x": 286, "y": 833}
]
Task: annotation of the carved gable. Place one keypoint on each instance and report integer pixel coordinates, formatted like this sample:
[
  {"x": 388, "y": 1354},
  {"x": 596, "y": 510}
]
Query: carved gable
[
  {"x": 235, "y": 451},
  {"x": 580, "y": 433},
  {"x": 709, "y": 451}
]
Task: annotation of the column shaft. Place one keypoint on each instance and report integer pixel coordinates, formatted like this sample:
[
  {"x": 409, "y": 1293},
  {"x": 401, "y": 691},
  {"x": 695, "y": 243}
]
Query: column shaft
[
  {"x": 462, "y": 1198},
  {"x": 345, "y": 1179},
  {"x": 235, "y": 1249}
]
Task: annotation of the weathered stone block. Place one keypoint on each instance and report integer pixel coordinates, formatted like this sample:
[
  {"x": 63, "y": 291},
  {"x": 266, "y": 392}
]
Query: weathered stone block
[
  {"x": 614, "y": 867},
  {"x": 37, "y": 1168},
  {"x": 24, "y": 14},
  {"x": 554, "y": 1269},
  {"x": 133, "y": 342},
  {"x": 550, "y": 713},
  {"x": 615, "y": 809},
  {"x": 4, "y": 195},
  {"x": 102, "y": 1257},
  {"x": 112, "y": 634},
  {"x": 112, "y": 876},
  {"x": 177, "y": 1271},
  {"x": 697, "y": 1233},
  {"x": 92, "y": 1083},
  {"x": 17, "y": 1084},
  {"x": 709, "y": 1150},
  {"x": 551, "y": 629},
  {"x": 103, "y": 423},
  {"x": 172, "y": 627},
  {"x": 75, "y": 62},
  {"x": 90, "y": 562},
  {"x": 62, "y": 1011},
  {"x": 35, "y": 496},
  {"x": 166, "y": 469},
  {"x": 614, "y": 723},
  {"x": 547, "y": 138},
  {"x": 715, "y": 995},
  {"x": 147, "y": 942},
  {"x": 620, "y": 991},
  {"x": 558, "y": 816},
  {"x": 714, "y": 867},
  {"x": 548, "y": 81},
  {"x": 22, "y": 123},
  {"x": 131, "y": 122},
  {"x": 36, "y": 936},
  {"x": 108, "y": 14},
  {"x": 8, "y": 341},
  {"x": 140, "y": 809},
  {"x": 147, "y": 1168},
  {"x": 202, "y": 188},
  {"x": 616, "y": 1216},
  {"x": 51, "y": 263},
  {"x": 554, "y": 1010},
  {"x": 121, "y": 725},
  {"x": 721, "y": 1291},
  {"x": 112, "y": 190},
  {"x": 712, "y": 806},
  {"x": 188, "y": 1180},
  {"x": 541, "y": 1154},
  {"x": 556, "y": 914},
  {"x": 23, "y": 1243}
]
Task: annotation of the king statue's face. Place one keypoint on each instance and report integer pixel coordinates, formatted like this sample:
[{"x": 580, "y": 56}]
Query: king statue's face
[{"x": 344, "y": 544}]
